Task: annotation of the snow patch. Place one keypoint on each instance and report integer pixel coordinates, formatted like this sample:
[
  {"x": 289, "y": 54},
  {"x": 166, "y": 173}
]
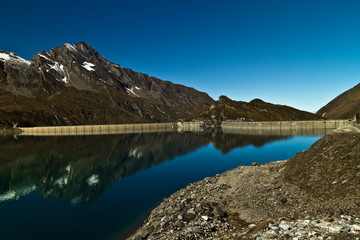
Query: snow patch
[
  {"x": 45, "y": 57},
  {"x": 92, "y": 180},
  {"x": 136, "y": 152},
  {"x": 70, "y": 47},
  {"x": 7, "y": 196},
  {"x": 4, "y": 57},
  {"x": 57, "y": 67},
  {"x": 13, "y": 58},
  {"x": 64, "y": 180},
  {"x": 131, "y": 90},
  {"x": 88, "y": 66}
]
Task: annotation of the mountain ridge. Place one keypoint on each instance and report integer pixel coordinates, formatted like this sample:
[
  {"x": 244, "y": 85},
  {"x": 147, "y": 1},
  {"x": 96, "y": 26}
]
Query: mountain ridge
[
  {"x": 344, "y": 106},
  {"x": 74, "y": 84},
  {"x": 255, "y": 110}
]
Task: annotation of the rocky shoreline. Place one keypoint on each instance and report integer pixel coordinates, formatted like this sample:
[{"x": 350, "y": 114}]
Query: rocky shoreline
[{"x": 314, "y": 195}]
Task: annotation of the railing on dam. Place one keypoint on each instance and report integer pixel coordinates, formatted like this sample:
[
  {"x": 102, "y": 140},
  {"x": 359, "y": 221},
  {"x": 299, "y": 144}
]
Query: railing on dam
[
  {"x": 98, "y": 129},
  {"x": 283, "y": 127}
]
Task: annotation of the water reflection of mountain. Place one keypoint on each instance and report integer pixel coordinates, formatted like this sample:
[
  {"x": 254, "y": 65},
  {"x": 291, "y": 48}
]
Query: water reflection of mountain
[
  {"x": 78, "y": 169},
  {"x": 227, "y": 142}
]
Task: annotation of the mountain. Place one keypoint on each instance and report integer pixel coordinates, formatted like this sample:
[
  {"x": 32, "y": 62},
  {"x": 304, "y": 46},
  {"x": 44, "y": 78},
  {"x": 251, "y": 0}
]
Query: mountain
[
  {"x": 255, "y": 110},
  {"x": 344, "y": 106},
  {"x": 73, "y": 84}
]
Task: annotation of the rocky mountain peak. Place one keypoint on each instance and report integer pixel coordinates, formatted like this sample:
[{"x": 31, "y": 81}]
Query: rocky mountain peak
[
  {"x": 12, "y": 59},
  {"x": 75, "y": 84}
]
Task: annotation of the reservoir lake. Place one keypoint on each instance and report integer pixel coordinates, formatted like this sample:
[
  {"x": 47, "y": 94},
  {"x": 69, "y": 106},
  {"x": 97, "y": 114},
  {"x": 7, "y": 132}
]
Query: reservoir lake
[{"x": 104, "y": 186}]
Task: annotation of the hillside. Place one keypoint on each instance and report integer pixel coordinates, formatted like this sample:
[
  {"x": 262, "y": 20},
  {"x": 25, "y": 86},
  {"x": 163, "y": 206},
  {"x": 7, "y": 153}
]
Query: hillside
[
  {"x": 344, "y": 106},
  {"x": 73, "y": 84},
  {"x": 255, "y": 110},
  {"x": 315, "y": 193}
]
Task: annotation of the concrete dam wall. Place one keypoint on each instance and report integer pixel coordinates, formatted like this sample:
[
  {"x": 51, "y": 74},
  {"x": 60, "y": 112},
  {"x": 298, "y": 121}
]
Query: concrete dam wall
[
  {"x": 98, "y": 129},
  {"x": 284, "y": 128}
]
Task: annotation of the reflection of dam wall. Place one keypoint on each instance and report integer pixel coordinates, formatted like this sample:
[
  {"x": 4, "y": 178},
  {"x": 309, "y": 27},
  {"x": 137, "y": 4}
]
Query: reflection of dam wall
[
  {"x": 98, "y": 129},
  {"x": 282, "y": 128},
  {"x": 190, "y": 126}
]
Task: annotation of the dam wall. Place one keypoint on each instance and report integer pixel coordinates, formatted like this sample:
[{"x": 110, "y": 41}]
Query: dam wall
[
  {"x": 283, "y": 128},
  {"x": 98, "y": 129},
  {"x": 190, "y": 126}
]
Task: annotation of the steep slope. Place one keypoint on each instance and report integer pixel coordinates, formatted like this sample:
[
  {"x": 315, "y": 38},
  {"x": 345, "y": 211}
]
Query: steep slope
[
  {"x": 256, "y": 110},
  {"x": 73, "y": 84},
  {"x": 344, "y": 106}
]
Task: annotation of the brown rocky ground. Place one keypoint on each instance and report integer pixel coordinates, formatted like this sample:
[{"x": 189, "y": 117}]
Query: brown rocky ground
[{"x": 321, "y": 184}]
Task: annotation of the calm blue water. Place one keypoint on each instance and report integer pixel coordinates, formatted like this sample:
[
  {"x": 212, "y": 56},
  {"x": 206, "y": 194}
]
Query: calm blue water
[{"x": 102, "y": 187}]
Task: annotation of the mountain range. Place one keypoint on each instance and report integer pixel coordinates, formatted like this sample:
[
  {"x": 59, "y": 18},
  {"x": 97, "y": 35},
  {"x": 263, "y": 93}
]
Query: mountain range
[{"x": 73, "y": 84}]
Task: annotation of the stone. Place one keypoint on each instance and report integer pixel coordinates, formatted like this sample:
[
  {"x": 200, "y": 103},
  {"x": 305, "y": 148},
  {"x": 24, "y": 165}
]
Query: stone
[
  {"x": 251, "y": 226},
  {"x": 218, "y": 212},
  {"x": 322, "y": 224},
  {"x": 270, "y": 234},
  {"x": 179, "y": 224},
  {"x": 345, "y": 229},
  {"x": 284, "y": 226},
  {"x": 143, "y": 234},
  {"x": 191, "y": 211},
  {"x": 334, "y": 229},
  {"x": 356, "y": 227},
  {"x": 205, "y": 218},
  {"x": 255, "y": 164},
  {"x": 189, "y": 216}
]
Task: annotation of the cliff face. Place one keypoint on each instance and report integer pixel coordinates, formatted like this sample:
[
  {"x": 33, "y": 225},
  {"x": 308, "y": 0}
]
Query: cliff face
[
  {"x": 255, "y": 110},
  {"x": 73, "y": 84},
  {"x": 344, "y": 106}
]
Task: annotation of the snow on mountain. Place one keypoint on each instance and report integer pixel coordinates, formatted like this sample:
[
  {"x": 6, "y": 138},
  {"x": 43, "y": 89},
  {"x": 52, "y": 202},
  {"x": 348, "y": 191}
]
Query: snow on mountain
[
  {"x": 75, "y": 84},
  {"x": 4, "y": 57},
  {"x": 88, "y": 66},
  {"x": 13, "y": 58}
]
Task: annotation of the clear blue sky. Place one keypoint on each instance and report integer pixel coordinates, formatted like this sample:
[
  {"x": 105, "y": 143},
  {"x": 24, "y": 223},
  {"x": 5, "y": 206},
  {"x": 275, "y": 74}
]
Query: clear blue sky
[{"x": 300, "y": 53}]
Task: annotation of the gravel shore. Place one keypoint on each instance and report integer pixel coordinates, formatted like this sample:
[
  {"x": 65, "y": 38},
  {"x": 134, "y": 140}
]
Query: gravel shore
[{"x": 314, "y": 195}]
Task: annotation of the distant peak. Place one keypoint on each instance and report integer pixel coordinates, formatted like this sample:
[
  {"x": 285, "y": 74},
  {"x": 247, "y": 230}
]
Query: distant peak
[
  {"x": 12, "y": 57},
  {"x": 256, "y": 101},
  {"x": 224, "y": 98},
  {"x": 70, "y": 47}
]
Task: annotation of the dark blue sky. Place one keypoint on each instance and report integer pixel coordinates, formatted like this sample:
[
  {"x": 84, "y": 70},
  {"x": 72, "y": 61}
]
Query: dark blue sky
[{"x": 301, "y": 53}]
